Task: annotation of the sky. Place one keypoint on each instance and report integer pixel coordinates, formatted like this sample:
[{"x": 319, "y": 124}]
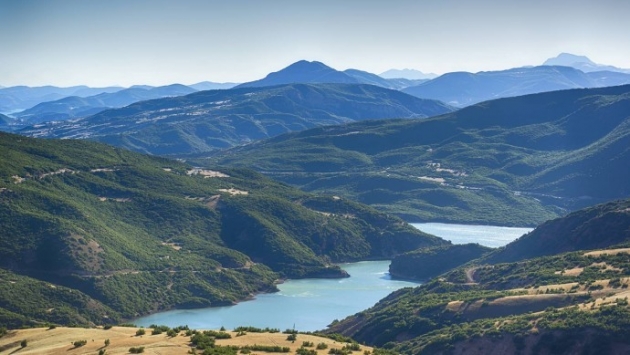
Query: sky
[{"x": 159, "y": 42}]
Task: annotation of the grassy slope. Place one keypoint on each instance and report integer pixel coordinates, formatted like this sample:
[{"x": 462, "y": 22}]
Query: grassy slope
[
  {"x": 516, "y": 161},
  {"x": 140, "y": 234},
  {"x": 575, "y": 295}
]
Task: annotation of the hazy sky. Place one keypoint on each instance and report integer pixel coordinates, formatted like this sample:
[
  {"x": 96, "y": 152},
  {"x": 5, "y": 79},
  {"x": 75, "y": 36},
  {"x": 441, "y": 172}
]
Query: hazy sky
[{"x": 126, "y": 42}]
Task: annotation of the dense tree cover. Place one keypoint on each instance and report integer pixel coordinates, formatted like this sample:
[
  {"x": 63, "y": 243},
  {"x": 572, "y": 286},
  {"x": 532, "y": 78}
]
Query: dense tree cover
[
  {"x": 425, "y": 263},
  {"x": 141, "y": 234},
  {"x": 516, "y": 161}
]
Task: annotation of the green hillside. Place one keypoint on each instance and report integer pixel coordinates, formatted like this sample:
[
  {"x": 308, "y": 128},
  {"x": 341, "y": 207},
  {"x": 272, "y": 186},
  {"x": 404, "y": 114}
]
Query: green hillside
[
  {"x": 591, "y": 228},
  {"x": 217, "y": 119},
  {"x": 514, "y": 161},
  {"x": 140, "y": 234},
  {"x": 577, "y": 299},
  {"x": 425, "y": 263}
]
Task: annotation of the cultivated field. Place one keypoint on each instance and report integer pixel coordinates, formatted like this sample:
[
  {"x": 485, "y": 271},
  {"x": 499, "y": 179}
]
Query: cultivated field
[{"x": 60, "y": 340}]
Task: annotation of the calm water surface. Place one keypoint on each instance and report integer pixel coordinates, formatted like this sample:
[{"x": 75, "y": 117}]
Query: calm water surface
[
  {"x": 490, "y": 236},
  {"x": 312, "y": 304}
]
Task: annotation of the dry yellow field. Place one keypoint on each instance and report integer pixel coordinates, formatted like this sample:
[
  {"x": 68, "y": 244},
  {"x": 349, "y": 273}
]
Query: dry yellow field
[{"x": 59, "y": 341}]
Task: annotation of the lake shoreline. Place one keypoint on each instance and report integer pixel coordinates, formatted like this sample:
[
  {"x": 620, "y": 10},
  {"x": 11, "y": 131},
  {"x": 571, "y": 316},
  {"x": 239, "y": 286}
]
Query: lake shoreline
[{"x": 324, "y": 299}]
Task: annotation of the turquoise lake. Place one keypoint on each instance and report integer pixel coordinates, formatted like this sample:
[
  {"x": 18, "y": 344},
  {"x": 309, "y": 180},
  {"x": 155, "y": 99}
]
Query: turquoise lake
[{"x": 312, "y": 304}]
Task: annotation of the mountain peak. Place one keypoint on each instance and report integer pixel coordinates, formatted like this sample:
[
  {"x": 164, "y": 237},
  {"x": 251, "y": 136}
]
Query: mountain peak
[
  {"x": 582, "y": 63},
  {"x": 303, "y": 71},
  {"x": 568, "y": 60}
]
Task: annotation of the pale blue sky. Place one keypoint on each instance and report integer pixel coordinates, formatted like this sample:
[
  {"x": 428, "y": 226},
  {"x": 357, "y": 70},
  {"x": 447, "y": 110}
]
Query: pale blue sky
[{"x": 156, "y": 42}]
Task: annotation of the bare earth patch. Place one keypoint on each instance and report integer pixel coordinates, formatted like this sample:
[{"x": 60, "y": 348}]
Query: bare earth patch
[
  {"x": 173, "y": 245},
  {"x": 608, "y": 252},
  {"x": 206, "y": 173},
  {"x": 115, "y": 199},
  {"x": 570, "y": 272},
  {"x": 233, "y": 191},
  {"x": 432, "y": 179}
]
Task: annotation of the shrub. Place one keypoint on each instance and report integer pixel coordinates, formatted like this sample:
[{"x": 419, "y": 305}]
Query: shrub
[
  {"x": 171, "y": 333},
  {"x": 107, "y": 327},
  {"x": 102, "y": 352},
  {"x": 140, "y": 332},
  {"x": 307, "y": 344},
  {"x": 158, "y": 329},
  {"x": 79, "y": 343},
  {"x": 352, "y": 347},
  {"x": 267, "y": 348},
  {"x": 106, "y": 342},
  {"x": 136, "y": 350},
  {"x": 322, "y": 346},
  {"x": 24, "y": 343},
  {"x": 305, "y": 351},
  {"x": 292, "y": 337},
  {"x": 202, "y": 341}
]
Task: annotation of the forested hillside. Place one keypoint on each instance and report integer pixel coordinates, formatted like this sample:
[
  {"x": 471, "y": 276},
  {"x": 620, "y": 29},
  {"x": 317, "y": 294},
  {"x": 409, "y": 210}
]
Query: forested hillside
[{"x": 139, "y": 234}]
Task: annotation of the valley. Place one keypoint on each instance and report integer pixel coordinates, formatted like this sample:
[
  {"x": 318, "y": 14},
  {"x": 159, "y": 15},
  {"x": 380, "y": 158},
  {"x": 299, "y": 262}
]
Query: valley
[{"x": 312, "y": 209}]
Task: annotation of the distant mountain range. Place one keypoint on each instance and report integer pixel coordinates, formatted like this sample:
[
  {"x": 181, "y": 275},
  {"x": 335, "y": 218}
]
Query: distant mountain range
[
  {"x": 464, "y": 89},
  {"x": 18, "y": 98},
  {"x": 209, "y": 120},
  {"x": 410, "y": 74},
  {"x": 74, "y": 106},
  {"x": 512, "y": 161},
  {"x": 305, "y": 72},
  {"x": 582, "y": 63},
  {"x": 458, "y": 88},
  {"x": 208, "y": 85}
]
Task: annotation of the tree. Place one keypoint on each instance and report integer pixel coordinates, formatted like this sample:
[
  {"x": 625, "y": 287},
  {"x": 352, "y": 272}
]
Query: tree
[
  {"x": 23, "y": 343},
  {"x": 106, "y": 342}
]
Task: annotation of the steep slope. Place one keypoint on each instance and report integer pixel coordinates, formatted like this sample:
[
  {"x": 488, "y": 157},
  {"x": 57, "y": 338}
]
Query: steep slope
[
  {"x": 514, "y": 161},
  {"x": 597, "y": 227},
  {"x": 464, "y": 89},
  {"x": 570, "y": 298},
  {"x": 208, "y": 120},
  {"x": 136, "y": 234},
  {"x": 423, "y": 264},
  {"x": 74, "y": 106}
]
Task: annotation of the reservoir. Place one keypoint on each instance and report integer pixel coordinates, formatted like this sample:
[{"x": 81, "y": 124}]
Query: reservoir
[
  {"x": 312, "y": 304},
  {"x": 490, "y": 236}
]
